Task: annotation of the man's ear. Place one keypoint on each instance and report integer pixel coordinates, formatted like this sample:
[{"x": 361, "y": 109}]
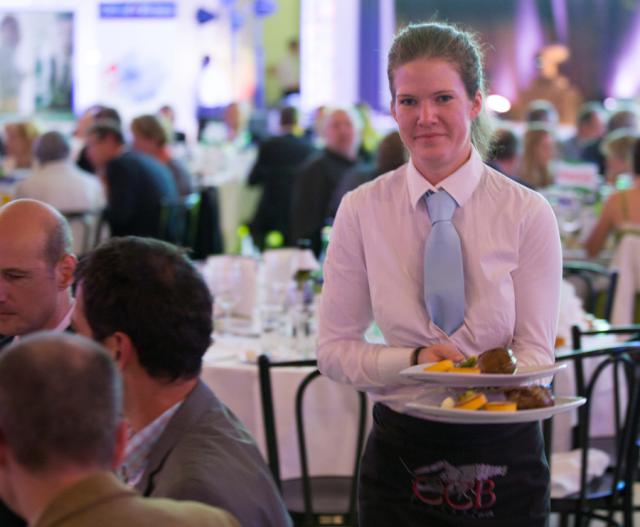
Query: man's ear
[
  {"x": 64, "y": 271},
  {"x": 121, "y": 348}
]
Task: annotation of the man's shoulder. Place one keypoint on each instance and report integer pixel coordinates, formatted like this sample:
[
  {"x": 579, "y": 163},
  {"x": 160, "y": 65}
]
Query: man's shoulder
[{"x": 160, "y": 512}]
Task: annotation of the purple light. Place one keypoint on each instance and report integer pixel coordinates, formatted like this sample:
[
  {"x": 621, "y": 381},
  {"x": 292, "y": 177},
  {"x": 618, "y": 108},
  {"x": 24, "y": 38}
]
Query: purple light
[
  {"x": 528, "y": 41},
  {"x": 560, "y": 20},
  {"x": 626, "y": 74}
]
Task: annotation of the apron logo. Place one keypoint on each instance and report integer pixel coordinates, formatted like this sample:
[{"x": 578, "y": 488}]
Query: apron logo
[{"x": 463, "y": 488}]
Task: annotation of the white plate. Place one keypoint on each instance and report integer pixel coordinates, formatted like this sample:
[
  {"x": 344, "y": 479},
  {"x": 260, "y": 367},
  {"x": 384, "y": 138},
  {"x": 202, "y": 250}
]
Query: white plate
[
  {"x": 477, "y": 417},
  {"x": 524, "y": 375}
]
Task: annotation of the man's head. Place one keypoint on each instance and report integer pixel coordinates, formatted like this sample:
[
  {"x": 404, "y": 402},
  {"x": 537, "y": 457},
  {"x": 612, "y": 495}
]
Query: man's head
[
  {"x": 149, "y": 135},
  {"x": 591, "y": 121},
  {"x": 144, "y": 297},
  {"x": 51, "y": 147},
  {"x": 60, "y": 410},
  {"x": 36, "y": 267},
  {"x": 339, "y": 132},
  {"x": 104, "y": 142}
]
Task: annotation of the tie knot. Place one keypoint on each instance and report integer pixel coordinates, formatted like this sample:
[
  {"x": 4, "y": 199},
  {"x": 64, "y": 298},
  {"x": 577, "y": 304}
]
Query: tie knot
[{"x": 440, "y": 206}]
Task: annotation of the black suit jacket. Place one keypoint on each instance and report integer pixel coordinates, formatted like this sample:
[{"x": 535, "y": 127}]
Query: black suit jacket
[
  {"x": 313, "y": 190},
  {"x": 138, "y": 184},
  {"x": 279, "y": 158}
]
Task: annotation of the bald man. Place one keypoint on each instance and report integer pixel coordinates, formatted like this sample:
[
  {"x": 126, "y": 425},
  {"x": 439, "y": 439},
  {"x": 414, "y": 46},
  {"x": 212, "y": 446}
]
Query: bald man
[{"x": 36, "y": 269}]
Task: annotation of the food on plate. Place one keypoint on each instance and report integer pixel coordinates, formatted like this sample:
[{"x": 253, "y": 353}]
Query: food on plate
[
  {"x": 497, "y": 360},
  {"x": 471, "y": 400},
  {"x": 500, "y": 406},
  {"x": 530, "y": 397},
  {"x": 443, "y": 365}
]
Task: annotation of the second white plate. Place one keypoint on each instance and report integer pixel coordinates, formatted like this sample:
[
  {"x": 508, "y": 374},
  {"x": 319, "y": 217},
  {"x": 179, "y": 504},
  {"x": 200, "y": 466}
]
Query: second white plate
[
  {"x": 448, "y": 415},
  {"x": 524, "y": 375}
]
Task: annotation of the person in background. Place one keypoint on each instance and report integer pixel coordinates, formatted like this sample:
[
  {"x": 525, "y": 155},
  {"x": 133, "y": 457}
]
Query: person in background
[
  {"x": 279, "y": 159},
  {"x": 542, "y": 111},
  {"x": 147, "y": 303},
  {"x": 625, "y": 118},
  {"x": 486, "y": 253},
  {"x": 539, "y": 150},
  {"x": 617, "y": 149},
  {"x": 505, "y": 154},
  {"x": 95, "y": 114},
  {"x": 60, "y": 442},
  {"x": 150, "y": 137},
  {"x": 319, "y": 177},
  {"x": 167, "y": 113},
  {"x": 288, "y": 69},
  {"x": 620, "y": 213},
  {"x": 590, "y": 127},
  {"x": 56, "y": 180},
  {"x": 136, "y": 184},
  {"x": 390, "y": 155},
  {"x": 19, "y": 138}
]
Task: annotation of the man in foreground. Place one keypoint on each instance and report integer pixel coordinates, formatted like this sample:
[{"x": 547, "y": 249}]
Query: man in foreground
[
  {"x": 59, "y": 442},
  {"x": 150, "y": 307}
]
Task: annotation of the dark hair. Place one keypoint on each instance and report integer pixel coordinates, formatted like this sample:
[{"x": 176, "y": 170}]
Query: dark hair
[
  {"x": 105, "y": 113},
  {"x": 636, "y": 157},
  {"x": 391, "y": 153},
  {"x": 51, "y": 146},
  {"x": 59, "y": 240},
  {"x": 505, "y": 145},
  {"x": 149, "y": 290},
  {"x": 288, "y": 116},
  {"x": 541, "y": 111},
  {"x": 436, "y": 40},
  {"x": 60, "y": 401},
  {"x": 623, "y": 119},
  {"x": 587, "y": 111},
  {"x": 104, "y": 128}
]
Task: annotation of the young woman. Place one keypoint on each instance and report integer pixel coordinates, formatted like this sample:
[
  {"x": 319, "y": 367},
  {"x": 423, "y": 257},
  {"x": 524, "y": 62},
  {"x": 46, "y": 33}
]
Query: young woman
[{"x": 501, "y": 289}]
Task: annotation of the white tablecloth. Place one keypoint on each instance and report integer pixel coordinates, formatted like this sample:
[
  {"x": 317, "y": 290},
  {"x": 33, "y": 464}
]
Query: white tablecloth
[{"x": 330, "y": 408}]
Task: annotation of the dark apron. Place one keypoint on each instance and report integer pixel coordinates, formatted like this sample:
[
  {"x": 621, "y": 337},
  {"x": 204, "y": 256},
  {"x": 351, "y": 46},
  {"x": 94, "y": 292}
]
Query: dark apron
[{"x": 416, "y": 472}]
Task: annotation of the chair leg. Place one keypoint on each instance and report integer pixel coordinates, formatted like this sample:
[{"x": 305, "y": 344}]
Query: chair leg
[{"x": 564, "y": 519}]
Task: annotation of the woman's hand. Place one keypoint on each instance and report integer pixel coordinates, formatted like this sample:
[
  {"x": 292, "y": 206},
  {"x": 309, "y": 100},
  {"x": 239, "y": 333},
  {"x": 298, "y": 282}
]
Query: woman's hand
[{"x": 438, "y": 352}]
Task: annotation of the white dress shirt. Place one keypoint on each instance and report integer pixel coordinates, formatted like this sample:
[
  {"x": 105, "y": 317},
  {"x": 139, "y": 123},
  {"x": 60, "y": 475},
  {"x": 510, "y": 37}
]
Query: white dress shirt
[{"x": 374, "y": 272}]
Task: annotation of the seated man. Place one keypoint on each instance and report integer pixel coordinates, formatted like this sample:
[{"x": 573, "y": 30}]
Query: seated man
[
  {"x": 136, "y": 183},
  {"x": 59, "y": 442},
  {"x": 36, "y": 269},
  {"x": 150, "y": 307},
  {"x": 56, "y": 180}
]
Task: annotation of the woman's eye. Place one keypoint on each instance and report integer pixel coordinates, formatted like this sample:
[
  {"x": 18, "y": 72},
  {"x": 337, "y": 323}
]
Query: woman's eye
[
  {"x": 407, "y": 102},
  {"x": 444, "y": 98}
]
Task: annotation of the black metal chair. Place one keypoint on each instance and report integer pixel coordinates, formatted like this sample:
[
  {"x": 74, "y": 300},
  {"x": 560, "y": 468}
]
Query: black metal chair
[
  {"x": 588, "y": 273},
  {"x": 612, "y": 492},
  {"x": 311, "y": 500},
  {"x": 90, "y": 222}
]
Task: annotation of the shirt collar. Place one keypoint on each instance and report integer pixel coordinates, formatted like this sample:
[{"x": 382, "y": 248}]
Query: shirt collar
[
  {"x": 140, "y": 444},
  {"x": 460, "y": 185},
  {"x": 62, "y": 325}
]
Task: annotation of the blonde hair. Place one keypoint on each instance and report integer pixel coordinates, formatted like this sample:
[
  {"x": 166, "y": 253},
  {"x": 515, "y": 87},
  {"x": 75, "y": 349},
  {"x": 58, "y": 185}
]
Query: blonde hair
[
  {"x": 436, "y": 40},
  {"x": 619, "y": 144},
  {"x": 530, "y": 170},
  {"x": 26, "y": 132},
  {"x": 150, "y": 127}
]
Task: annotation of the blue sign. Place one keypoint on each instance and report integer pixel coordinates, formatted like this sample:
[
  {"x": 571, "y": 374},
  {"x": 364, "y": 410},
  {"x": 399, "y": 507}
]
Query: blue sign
[{"x": 138, "y": 10}]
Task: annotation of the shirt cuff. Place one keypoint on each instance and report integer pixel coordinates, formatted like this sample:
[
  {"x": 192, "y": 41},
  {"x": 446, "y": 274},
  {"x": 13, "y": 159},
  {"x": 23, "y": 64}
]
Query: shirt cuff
[{"x": 391, "y": 361}]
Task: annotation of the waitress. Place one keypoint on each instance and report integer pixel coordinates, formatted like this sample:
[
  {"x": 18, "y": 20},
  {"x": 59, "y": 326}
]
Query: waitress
[{"x": 450, "y": 258}]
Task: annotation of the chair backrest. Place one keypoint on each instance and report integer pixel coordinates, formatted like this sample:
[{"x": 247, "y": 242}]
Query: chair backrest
[
  {"x": 265, "y": 366},
  {"x": 179, "y": 219},
  {"x": 622, "y": 362},
  {"x": 587, "y": 273},
  {"x": 84, "y": 226}
]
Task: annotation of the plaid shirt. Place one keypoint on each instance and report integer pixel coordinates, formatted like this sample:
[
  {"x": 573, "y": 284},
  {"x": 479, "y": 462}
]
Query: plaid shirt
[{"x": 140, "y": 444}]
